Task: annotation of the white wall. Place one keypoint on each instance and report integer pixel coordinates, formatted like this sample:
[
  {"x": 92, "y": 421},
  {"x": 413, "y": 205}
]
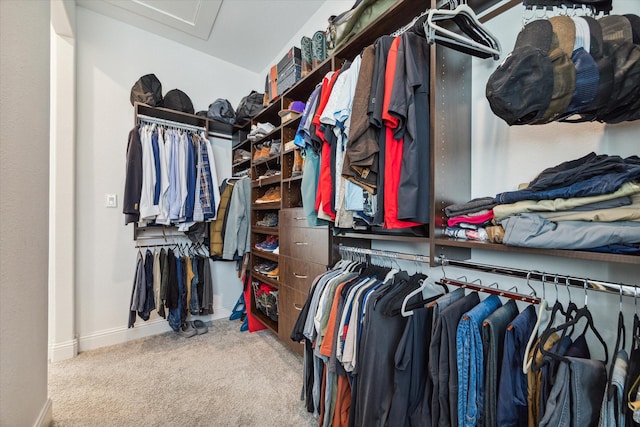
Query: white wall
[
  {"x": 503, "y": 157},
  {"x": 24, "y": 172},
  {"x": 111, "y": 56},
  {"x": 317, "y": 21}
]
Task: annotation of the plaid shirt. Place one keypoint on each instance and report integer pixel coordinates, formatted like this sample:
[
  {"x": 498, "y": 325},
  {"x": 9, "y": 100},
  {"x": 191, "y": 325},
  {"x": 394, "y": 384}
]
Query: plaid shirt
[{"x": 206, "y": 184}]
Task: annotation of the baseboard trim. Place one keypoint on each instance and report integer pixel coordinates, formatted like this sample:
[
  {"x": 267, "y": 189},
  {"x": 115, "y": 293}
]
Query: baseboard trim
[
  {"x": 46, "y": 415},
  {"x": 122, "y": 334},
  {"x": 63, "y": 350},
  {"x": 142, "y": 329}
]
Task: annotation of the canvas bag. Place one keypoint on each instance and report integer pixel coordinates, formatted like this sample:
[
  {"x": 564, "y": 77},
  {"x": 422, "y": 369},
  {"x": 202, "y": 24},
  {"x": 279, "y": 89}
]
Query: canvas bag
[
  {"x": 344, "y": 26},
  {"x": 248, "y": 107},
  {"x": 222, "y": 111}
]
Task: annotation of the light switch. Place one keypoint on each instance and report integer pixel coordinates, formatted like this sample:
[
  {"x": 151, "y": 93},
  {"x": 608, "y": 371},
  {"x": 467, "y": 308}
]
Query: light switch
[{"x": 111, "y": 200}]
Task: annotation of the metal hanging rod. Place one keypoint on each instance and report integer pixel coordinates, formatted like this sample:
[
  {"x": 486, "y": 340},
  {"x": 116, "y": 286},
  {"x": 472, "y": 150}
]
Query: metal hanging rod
[
  {"x": 490, "y": 290},
  {"x": 538, "y": 276},
  {"x": 149, "y": 119},
  {"x": 387, "y": 254}
]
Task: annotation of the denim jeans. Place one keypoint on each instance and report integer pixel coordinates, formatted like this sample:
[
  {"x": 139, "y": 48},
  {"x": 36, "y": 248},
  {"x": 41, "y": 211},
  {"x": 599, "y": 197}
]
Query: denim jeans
[
  {"x": 194, "y": 304},
  {"x": 612, "y": 413},
  {"x": 512, "y": 390},
  {"x": 576, "y": 395},
  {"x": 470, "y": 362},
  {"x": 595, "y": 186},
  {"x": 175, "y": 314},
  {"x": 493, "y": 330}
]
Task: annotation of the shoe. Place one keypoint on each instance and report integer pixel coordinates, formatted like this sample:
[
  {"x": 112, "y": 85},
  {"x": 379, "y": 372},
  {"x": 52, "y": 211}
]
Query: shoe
[
  {"x": 274, "y": 274},
  {"x": 264, "y": 128},
  {"x": 276, "y": 145},
  {"x": 199, "y": 326},
  {"x": 270, "y": 219},
  {"x": 187, "y": 330},
  {"x": 298, "y": 163},
  {"x": 269, "y": 173},
  {"x": 276, "y": 251},
  {"x": 270, "y": 196},
  {"x": 268, "y": 241},
  {"x": 266, "y": 148},
  {"x": 257, "y": 150},
  {"x": 269, "y": 245},
  {"x": 241, "y": 155}
]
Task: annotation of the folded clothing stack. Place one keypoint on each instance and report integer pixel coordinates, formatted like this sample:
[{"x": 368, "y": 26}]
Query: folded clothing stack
[{"x": 591, "y": 203}]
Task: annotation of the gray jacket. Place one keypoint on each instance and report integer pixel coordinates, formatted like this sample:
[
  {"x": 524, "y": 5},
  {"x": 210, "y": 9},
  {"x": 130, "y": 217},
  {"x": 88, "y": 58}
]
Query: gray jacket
[{"x": 237, "y": 236}]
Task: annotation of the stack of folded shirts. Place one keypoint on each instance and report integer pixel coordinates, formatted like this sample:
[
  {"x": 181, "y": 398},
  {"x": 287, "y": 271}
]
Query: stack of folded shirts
[{"x": 591, "y": 203}]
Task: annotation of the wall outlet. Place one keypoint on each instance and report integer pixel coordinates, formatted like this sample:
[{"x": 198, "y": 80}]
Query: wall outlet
[{"x": 111, "y": 200}]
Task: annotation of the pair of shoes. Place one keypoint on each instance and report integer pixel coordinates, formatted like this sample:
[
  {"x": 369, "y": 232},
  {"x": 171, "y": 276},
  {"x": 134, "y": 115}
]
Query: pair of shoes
[
  {"x": 270, "y": 219},
  {"x": 271, "y": 195},
  {"x": 241, "y": 155},
  {"x": 261, "y": 151},
  {"x": 274, "y": 274},
  {"x": 268, "y": 245},
  {"x": 298, "y": 163},
  {"x": 265, "y": 267},
  {"x": 187, "y": 330},
  {"x": 199, "y": 326}
]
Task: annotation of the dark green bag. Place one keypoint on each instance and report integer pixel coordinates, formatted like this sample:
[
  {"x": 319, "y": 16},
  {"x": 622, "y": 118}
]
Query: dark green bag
[{"x": 346, "y": 25}]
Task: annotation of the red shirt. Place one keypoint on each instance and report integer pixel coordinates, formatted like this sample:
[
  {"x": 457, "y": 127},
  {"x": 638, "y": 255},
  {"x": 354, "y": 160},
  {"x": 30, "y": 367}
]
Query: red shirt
[{"x": 393, "y": 148}]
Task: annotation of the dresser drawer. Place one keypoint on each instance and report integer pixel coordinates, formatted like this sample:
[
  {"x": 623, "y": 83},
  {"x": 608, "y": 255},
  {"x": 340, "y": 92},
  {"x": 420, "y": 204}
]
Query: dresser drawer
[
  {"x": 310, "y": 244},
  {"x": 294, "y": 217},
  {"x": 290, "y": 303},
  {"x": 299, "y": 274}
]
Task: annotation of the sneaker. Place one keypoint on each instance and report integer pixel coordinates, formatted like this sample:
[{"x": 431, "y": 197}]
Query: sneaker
[
  {"x": 269, "y": 173},
  {"x": 274, "y": 274},
  {"x": 270, "y": 246},
  {"x": 276, "y": 251},
  {"x": 263, "y": 128},
  {"x": 268, "y": 242},
  {"x": 270, "y": 219},
  {"x": 241, "y": 155},
  {"x": 276, "y": 145},
  {"x": 199, "y": 326}
]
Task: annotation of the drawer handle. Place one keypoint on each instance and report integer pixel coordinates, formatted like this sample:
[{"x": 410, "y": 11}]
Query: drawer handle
[
  {"x": 302, "y": 243},
  {"x": 300, "y": 218},
  {"x": 300, "y": 276},
  {"x": 297, "y": 307}
]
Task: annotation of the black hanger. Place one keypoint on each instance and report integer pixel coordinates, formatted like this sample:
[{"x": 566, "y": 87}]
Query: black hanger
[{"x": 621, "y": 335}]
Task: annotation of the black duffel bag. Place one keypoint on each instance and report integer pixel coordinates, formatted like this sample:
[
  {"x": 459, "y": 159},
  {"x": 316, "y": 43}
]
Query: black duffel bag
[
  {"x": 221, "y": 110},
  {"x": 248, "y": 107}
]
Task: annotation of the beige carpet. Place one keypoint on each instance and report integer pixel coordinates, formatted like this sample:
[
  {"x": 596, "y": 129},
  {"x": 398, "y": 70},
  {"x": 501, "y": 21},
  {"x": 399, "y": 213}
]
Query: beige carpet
[{"x": 222, "y": 378}]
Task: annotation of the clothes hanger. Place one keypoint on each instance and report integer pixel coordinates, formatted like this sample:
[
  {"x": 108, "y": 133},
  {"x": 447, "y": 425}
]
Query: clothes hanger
[
  {"x": 583, "y": 312},
  {"x": 544, "y": 306},
  {"x": 621, "y": 334},
  {"x": 479, "y": 39},
  {"x": 635, "y": 331}
]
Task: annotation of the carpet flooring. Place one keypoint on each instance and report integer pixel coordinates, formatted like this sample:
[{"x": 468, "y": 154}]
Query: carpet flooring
[{"x": 222, "y": 378}]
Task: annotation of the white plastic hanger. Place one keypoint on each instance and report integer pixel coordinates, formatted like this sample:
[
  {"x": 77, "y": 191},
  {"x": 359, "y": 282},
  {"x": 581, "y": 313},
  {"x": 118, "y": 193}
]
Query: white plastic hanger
[{"x": 435, "y": 32}]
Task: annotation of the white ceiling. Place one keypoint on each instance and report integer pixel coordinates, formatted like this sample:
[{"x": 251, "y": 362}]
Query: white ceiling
[{"x": 248, "y": 33}]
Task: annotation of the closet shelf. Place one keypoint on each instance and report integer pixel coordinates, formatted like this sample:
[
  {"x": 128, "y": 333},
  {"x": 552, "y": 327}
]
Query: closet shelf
[
  {"x": 275, "y": 132},
  {"x": 572, "y": 254},
  {"x": 265, "y": 230},
  {"x": 266, "y": 279},
  {"x": 268, "y": 112},
  {"x": 389, "y": 237},
  {"x": 241, "y": 162},
  {"x": 266, "y": 255},
  {"x": 265, "y": 206},
  {"x": 265, "y": 181},
  {"x": 265, "y": 320}
]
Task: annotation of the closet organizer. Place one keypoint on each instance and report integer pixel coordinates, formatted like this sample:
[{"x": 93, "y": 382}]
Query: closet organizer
[{"x": 171, "y": 196}]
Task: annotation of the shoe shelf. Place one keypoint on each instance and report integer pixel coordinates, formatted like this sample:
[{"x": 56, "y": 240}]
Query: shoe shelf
[
  {"x": 262, "y": 182},
  {"x": 270, "y": 159},
  {"x": 266, "y": 206},
  {"x": 274, "y": 134},
  {"x": 262, "y": 318},
  {"x": 293, "y": 179},
  {"x": 241, "y": 162},
  {"x": 266, "y": 279},
  {"x": 266, "y": 230},
  {"x": 264, "y": 254}
]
